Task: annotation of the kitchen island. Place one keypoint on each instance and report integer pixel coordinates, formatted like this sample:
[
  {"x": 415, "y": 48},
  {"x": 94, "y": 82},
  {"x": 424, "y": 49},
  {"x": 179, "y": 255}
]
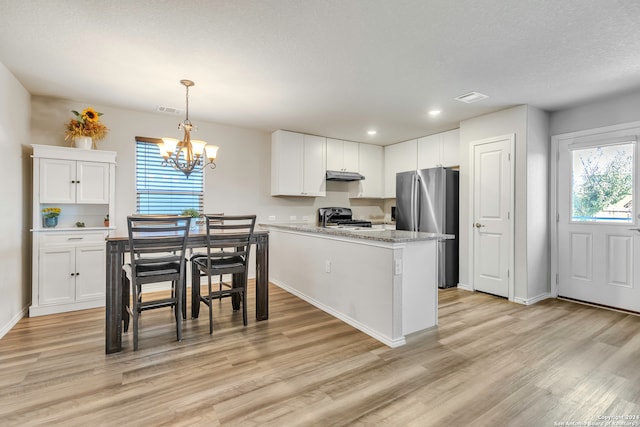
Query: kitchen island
[{"x": 382, "y": 282}]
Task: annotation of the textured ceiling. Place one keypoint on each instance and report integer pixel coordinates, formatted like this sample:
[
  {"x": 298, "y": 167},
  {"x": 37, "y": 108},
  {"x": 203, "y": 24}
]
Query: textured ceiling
[{"x": 328, "y": 67}]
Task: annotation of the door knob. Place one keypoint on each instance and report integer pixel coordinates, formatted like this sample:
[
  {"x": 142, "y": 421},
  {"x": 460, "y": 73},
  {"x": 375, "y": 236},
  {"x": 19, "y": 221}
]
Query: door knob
[{"x": 478, "y": 225}]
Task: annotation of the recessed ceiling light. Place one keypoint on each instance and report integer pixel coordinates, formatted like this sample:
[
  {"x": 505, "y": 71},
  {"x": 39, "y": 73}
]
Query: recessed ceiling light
[
  {"x": 434, "y": 112},
  {"x": 470, "y": 97},
  {"x": 372, "y": 132}
]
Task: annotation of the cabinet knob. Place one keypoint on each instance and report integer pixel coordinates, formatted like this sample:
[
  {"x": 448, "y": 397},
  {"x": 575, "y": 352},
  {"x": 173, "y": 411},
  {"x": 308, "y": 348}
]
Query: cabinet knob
[{"x": 73, "y": 274}]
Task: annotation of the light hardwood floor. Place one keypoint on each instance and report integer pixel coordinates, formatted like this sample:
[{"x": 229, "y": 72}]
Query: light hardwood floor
[{"x": 488, "y": 363}]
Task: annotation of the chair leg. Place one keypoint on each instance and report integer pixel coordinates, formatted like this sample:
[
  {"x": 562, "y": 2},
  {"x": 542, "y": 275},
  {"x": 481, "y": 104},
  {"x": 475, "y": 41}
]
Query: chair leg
[
  {"x": 244, "y": 298},
  {"x": 210, "y": 307},
  {"x": 136, "y": 313},
  {"x": 179, "y": 309},
  {"x": 126, "y": 301}
]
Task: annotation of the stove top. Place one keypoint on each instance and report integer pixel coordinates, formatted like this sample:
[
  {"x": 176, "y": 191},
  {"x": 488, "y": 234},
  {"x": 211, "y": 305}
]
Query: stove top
[
  {"x": 352, "y": 222},
  {"x": 339, "y": 216}
]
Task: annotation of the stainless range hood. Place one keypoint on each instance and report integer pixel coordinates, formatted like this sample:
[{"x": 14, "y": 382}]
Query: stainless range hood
[{"x": 344, "y": 176}]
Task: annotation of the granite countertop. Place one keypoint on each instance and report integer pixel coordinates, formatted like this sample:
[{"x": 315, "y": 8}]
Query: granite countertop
[{"x": 364, "y": 233}]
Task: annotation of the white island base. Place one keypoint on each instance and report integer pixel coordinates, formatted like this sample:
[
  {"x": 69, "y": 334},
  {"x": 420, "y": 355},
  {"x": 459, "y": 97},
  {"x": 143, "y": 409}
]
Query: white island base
[{"x": 378, "y": 282}]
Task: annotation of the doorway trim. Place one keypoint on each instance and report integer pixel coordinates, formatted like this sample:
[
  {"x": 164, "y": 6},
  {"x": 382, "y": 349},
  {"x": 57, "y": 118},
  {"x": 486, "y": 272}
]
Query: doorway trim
[
  {"x": 605, "y": 132},
  {"x": 512, "y": 160}
]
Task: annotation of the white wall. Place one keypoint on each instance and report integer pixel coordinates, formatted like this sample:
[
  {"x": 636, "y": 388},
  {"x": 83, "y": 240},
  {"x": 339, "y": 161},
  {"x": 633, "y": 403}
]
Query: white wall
[
  {"x": 530, "y": 127},
  {"x": 15, "y": 246},
  {"x": 622, "y": 108}
]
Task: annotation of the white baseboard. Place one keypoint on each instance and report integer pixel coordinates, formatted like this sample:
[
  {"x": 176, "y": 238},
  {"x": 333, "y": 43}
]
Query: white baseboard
[
  {"x": 465, "y": 287},
  {"x": 14, "y": 321},
  {"x": 530, "y": 301},
  {"x": 346, "y": 319}
]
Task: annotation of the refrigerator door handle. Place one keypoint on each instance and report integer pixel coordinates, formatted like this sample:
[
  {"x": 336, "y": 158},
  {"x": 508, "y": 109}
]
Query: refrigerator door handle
[
  {"x": 415, "y": 203},
  {"x": 416, "y": 214}
]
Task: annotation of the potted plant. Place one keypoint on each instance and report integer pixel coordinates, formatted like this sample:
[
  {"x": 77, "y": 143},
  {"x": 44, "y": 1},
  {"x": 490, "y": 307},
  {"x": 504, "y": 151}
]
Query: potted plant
[
  {"x": 50, "y": 216},
  {"x": 85, "y": 128},
  {"x": 106, "y": 220},
  {"x": 193, "y": 213}
]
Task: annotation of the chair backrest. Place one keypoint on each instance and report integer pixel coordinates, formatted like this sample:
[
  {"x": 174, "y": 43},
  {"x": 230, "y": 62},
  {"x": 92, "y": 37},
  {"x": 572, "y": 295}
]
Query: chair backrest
[
  {"x": 229, "y": 231},
  {"x": 158, "y": 239}
]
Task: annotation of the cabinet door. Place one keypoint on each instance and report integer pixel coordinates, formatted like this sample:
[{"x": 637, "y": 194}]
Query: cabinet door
[
  {"x": 57, "y": 181},
  {"x": 90, "y": 274},
  {"x": 314, "y": 166},
  {"x": 351, "y": 156},
  {"x": 400, "y": 157},
  {"x": 92, "y": 179},
  {"x": 287, "y": 157},
  {"x": 451, "y": 148},
  {"x": 430, "y": 151},
  {"x": 57, "y": 284},
  {"x": 335, "y": 154},
  {"x": 342, "y": 155},
  {"x": 371, "y": 166}
]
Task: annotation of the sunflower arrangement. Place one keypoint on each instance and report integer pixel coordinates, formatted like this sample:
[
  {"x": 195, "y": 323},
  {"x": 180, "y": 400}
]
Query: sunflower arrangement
[
  {"x": 86, "y": 123},
  {"x": 51, "y": 212}
]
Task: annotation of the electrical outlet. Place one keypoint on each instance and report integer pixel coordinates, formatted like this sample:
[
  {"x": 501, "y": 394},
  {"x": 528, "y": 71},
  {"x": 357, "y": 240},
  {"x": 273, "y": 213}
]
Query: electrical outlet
[
  {"x": 327, "y": 266},
  {"x": 398, "y": 266},
  {"x": 305, "y": 218},
  {"x": 272, "y": 217},
  {"x": 292, "y": 218}
]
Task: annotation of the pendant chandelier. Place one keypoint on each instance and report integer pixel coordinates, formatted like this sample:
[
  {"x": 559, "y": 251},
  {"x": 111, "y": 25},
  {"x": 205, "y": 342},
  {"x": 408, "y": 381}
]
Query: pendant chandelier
[{"x": 187, "y": 154}]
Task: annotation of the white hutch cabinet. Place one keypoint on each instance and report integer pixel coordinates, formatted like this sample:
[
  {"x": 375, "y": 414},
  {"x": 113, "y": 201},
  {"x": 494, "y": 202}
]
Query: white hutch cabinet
[{"x": 68, "y": 264}]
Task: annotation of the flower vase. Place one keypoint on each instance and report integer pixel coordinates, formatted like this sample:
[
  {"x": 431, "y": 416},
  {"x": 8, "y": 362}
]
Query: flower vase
[
  {"x": 84, "y": 142},
  {"x": 51, "y": 222}
]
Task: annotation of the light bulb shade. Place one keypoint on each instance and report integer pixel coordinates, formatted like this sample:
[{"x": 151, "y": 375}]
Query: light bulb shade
[
  {"x": 163, "y": 151},
  {"x": 170, "y": 144},
  {"x": 212, "y": 152},
  {"x": 198, "y": 146}
]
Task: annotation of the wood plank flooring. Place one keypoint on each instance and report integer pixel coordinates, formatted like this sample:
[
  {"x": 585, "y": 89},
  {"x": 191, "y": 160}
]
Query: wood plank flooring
[{"x": 488, "y": 363}]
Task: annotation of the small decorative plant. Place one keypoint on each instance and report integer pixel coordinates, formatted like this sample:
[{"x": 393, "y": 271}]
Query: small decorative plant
[
  {"x": 106, "y": 220},
  {"x": 51, "y": 212},
  {"x": 86, "y": 123},
  {"x": 193, "y": 213}
]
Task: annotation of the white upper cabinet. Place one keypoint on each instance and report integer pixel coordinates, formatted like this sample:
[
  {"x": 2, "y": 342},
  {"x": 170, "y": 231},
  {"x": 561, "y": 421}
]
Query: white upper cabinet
[
  {"x": 342, "y": 155},
  {"x": 70, "y": 181},
  {"x": 441, "y": 149},
  {"x": 400, "y": 157},
  {"x": 298, "y": 164},
  {"x": 371, "y": 165}
]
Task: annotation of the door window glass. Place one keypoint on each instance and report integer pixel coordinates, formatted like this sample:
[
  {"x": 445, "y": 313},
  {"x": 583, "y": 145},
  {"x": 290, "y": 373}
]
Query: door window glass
[{"x": 602, "y": 183}]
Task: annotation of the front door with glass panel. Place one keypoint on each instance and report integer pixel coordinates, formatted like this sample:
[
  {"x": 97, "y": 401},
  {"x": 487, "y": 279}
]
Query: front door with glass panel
[{"x": 598, "y": 236}]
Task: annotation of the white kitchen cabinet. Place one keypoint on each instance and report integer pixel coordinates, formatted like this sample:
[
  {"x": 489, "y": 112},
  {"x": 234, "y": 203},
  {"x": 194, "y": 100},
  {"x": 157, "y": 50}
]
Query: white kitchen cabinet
[
  {"x": 441, "y": 149},
  {"x": 71, "y": 270},
  {"x": 371, "y": 165},
  {"x": 399, "y": 157},
  {"x": 68, "y": 261},
  {"x": 343, "y": 155},
  {"x": 298, "y": 164},
  {"x": 70, "y": 181}
]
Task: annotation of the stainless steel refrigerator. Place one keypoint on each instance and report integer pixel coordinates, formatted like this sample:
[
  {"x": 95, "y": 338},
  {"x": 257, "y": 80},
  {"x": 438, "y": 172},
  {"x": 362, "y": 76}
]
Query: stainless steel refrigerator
[{"x": 427, "y": 200}]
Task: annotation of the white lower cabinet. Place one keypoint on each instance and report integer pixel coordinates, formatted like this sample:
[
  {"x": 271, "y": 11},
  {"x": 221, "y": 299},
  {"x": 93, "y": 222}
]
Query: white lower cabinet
[{"x": 70, "y": 272}]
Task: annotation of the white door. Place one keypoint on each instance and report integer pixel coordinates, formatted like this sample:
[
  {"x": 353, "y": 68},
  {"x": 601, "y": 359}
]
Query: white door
[
  {"x": 598, "y": 234},
  {"x": 492, "y": 223}
]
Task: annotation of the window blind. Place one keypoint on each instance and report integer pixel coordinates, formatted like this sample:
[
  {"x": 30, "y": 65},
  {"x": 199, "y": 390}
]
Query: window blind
[{"x": 163, "y": 189}]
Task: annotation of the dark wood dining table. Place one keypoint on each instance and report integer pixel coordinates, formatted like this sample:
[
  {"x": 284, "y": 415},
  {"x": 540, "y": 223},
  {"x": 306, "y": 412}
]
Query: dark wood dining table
[{"x": 118, "y": 245}]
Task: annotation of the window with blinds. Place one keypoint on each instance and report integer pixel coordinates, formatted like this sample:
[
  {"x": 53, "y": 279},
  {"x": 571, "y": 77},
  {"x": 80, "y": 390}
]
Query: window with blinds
[{"x": 163, "y": 189}]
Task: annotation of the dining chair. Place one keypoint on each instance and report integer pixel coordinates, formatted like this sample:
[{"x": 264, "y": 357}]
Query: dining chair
[
  {"x": 193, "y": 255},
  {"x": 225, "y": 255},
  {"x": 157, "y": 246}
]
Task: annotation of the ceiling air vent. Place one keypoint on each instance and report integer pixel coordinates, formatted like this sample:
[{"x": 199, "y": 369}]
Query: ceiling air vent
[
  {"x": 470, "y": 97},
  {"x": 169, "y": 110}
]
